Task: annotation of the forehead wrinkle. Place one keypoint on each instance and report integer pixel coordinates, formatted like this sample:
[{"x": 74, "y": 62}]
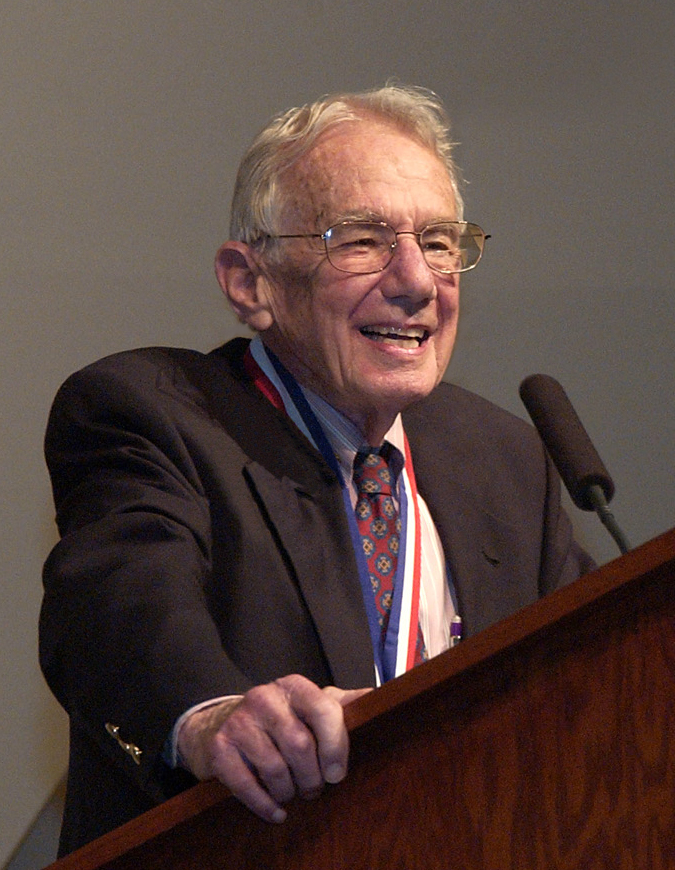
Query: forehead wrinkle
[
  {"x": 323, "y": 192},
  {"x": 311, "y": 182}
]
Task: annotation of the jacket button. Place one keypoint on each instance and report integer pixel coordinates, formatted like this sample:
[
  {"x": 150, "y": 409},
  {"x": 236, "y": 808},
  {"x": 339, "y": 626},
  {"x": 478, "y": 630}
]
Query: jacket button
[{"x": 130, "y": 748}]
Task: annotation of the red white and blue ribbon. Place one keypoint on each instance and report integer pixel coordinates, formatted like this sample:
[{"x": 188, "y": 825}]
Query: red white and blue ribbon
[{"x": 398, "y": 653}]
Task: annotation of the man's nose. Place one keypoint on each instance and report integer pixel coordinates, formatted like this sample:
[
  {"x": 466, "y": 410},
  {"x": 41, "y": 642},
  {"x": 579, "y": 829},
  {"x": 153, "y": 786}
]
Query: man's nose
[{"x": 408, "y": 273}]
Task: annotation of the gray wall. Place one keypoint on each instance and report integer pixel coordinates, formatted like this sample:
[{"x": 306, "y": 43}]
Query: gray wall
[{"x": 121, "y": 124}]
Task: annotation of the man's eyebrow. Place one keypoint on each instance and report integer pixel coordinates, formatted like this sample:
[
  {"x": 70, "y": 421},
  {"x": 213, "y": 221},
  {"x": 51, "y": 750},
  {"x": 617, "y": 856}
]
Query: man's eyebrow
[{"x": 359, "y": 216}]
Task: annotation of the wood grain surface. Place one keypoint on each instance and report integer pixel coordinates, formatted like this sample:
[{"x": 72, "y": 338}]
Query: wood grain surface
[{"x": 544, "y": 742}]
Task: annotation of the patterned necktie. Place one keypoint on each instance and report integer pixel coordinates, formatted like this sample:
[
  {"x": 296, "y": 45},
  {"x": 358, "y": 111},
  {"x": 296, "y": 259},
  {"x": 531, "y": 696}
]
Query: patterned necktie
[{"x": 380, "y": 528}]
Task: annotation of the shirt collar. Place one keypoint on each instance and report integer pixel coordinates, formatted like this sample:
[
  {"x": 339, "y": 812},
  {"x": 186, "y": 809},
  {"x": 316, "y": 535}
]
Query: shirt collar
[
  {"x": 346, "y": 439},
  {"x": 343, "y": 436}
]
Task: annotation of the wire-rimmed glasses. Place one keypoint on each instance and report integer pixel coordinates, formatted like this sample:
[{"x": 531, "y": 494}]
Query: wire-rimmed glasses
[{"x": 363, "y": 247}]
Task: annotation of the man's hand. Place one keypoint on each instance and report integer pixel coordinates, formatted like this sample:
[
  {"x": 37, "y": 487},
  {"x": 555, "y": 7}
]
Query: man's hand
[{"x": 281, "y": 739}]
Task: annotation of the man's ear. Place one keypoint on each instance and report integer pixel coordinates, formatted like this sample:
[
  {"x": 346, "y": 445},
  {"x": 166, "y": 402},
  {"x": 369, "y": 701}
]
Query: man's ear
[{"x": 244, "y": 285}]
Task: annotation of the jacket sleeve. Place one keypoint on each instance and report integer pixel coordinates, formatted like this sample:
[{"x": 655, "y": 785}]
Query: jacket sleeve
[{"x": 126, "y": 637}]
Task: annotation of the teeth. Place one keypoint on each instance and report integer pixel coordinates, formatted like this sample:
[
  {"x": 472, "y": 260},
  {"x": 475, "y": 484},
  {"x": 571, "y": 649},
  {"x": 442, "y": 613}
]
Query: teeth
[
  {"x": 411, "y": 332},
  {"x": 410, "y": 337}
]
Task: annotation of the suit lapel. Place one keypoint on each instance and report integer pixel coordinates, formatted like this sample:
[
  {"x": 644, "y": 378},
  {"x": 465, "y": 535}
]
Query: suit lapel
[
  {"x": 478, "y": 553},
  {"x": 481, "y": 549},
  {"x": 312, "y": 531},
  {"x": 302, "y": 499}
]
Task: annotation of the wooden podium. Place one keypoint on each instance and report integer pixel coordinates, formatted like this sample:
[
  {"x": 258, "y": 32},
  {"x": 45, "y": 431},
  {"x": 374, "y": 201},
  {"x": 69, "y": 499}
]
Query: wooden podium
[{"x": 547, "y": 741}]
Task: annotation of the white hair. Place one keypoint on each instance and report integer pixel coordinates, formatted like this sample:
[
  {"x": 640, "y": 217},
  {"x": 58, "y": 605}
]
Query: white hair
[{"x": 259, "y": 195}]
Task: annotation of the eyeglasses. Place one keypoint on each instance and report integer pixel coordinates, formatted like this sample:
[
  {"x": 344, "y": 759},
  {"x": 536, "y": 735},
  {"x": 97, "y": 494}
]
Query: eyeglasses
[{"x": 363, "y": 247}]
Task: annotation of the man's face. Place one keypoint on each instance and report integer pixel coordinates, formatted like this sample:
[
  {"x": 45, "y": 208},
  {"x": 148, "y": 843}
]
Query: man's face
[{"x": 368, "y": 344}]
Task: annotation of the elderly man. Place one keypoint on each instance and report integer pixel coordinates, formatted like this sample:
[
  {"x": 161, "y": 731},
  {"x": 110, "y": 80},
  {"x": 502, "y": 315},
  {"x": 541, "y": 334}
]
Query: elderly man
[{"x": 246, "y": 531}]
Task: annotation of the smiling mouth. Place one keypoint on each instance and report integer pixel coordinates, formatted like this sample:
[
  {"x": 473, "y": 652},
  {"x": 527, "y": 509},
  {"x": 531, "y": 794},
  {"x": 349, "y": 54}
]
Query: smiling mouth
[{"x": 409, "y": 338}]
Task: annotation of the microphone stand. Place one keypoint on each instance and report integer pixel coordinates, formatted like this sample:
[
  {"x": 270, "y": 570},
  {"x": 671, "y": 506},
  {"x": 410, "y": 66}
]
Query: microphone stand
[{"x": 597, "y": 498}]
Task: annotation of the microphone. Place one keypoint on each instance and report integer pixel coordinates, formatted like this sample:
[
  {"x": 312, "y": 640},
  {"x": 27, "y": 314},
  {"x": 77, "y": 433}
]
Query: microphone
[{"x": 579, "y": 465}]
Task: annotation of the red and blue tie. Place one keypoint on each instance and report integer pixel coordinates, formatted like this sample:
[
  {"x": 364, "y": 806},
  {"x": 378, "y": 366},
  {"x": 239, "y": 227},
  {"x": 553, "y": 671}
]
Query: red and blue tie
[
  {"x": 380, "y": 528},
  {"x": 379, "y": 525}
]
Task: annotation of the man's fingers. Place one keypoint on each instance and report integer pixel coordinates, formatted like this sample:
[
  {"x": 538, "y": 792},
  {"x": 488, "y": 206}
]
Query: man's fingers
[
  {"x": 276, "y": 745},
  {"x": 309, "y": 719},
  {"x": 345, "y": 696},
  {"x": 333, "y": 756},
  {"x": 249, "y": 763},
  {"x": 279, "y": 739},
  {"x": 322, "y": 713},
  {"x": 233, "y": 771}
]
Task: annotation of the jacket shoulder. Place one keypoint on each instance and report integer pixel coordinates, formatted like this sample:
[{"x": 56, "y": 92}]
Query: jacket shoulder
[
  {"x": 453, "y": 415},
  {"x": 139, "y": 375},
  {"x": 138, "y": 364}
]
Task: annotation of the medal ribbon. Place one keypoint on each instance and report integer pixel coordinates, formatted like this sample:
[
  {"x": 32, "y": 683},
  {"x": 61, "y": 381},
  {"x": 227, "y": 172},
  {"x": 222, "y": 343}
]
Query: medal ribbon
[{"x": 398, "y": 654}]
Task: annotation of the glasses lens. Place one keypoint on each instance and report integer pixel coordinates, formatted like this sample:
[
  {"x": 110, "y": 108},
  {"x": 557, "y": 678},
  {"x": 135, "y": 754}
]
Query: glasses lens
[
  {"x": 361, "y": 247},
  {"x": 452, "y": 246}
]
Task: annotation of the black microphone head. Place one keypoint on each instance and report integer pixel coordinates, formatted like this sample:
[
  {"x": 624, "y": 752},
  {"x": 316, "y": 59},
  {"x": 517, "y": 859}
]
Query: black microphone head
[{"x": 565, "y": 438}]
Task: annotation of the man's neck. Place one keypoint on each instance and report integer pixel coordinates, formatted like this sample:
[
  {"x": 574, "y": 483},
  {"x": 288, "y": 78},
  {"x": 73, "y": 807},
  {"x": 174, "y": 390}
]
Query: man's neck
[
  {"x": 347, "y": 429},
  {"x": 372, "y": 425}
]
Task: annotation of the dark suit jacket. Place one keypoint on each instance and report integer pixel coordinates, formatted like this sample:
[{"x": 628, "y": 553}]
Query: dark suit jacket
[{"x": 205, "y": 550}]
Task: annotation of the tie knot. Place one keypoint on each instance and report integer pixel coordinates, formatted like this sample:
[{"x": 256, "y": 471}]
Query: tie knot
[{"x": 372, "y": 474}]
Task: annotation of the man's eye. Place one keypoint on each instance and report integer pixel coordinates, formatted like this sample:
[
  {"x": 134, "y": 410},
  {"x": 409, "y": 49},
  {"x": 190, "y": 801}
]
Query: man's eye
[
  {"x": 360, "y": 242},
  {"x": 440, "y": 243}
]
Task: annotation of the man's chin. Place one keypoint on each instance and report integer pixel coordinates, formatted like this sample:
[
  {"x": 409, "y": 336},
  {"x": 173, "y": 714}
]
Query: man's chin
[
  {"x": 389, "y": 399},
  {"x": 400, "y": 392}
]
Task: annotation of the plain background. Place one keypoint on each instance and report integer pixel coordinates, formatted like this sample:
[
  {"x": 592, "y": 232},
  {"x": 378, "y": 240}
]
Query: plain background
[{"x": 121, "y": 125}]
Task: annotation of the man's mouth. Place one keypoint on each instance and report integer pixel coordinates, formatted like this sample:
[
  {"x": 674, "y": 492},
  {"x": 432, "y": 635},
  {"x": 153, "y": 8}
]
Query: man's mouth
[{"x": 409, "y": 338}]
